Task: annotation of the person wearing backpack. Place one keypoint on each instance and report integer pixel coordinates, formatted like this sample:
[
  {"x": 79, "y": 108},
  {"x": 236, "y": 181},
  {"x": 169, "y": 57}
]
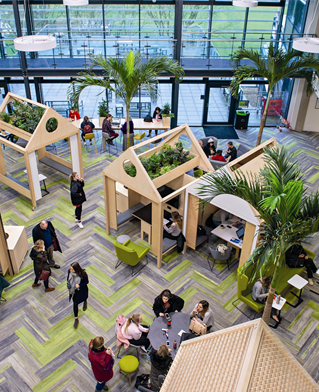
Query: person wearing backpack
[{"x": 87, "y": 127}]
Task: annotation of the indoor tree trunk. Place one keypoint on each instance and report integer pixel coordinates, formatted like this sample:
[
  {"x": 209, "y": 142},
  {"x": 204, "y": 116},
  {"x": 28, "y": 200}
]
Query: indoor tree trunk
[
  {"x": 263, "y": 119},
  {"x": 272, "y": 289},
  {"x": 127, "y": 126}
]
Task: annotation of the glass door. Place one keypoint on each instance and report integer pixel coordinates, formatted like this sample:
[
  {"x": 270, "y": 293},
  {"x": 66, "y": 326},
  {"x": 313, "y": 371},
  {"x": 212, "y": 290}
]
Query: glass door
[{"x": 219, "y": 105}]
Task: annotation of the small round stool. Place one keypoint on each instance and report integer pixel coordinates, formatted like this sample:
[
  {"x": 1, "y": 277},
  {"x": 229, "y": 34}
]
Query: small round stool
[
  {"x": 128, "y": 364},
  {"x": 121, "y": 239}
]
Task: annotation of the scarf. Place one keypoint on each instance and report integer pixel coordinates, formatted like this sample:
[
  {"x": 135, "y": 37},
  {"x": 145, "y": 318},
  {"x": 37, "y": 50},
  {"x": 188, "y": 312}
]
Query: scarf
[{"x": 73, "y": 280}]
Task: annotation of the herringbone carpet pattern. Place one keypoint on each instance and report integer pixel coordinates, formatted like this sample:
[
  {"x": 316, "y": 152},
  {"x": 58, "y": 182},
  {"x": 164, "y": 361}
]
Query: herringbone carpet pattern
[{"x": 40, "y": 350}]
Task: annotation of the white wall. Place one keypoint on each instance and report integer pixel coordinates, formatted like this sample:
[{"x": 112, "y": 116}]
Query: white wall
[{"x": 312, "y": 117}]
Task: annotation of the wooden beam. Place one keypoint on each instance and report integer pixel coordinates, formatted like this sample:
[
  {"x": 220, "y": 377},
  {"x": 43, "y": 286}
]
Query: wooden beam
[
  {"x": 157, "y": 232},
  {"x": 249, "y": 235},
  {"x": 13, "y": 185},
  {"x": 192, "y": 221},
  {"x": 4, "y": 253},
  {"x": 12, "y": 145},
  {"x": 15, "y": 130},
  {"x": 3, "y": 169},
  {"x": 110, "y": 204}
]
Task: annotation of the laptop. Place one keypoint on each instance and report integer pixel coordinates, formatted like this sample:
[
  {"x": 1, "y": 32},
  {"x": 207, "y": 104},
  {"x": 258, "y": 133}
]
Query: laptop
[{"x": 240, "y": 233}]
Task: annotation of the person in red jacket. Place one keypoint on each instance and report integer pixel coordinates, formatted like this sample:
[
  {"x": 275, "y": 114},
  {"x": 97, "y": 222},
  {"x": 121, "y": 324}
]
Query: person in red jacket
[
  {"x": 74, "y": 114},
  {"x": 218, "y": 156},
  {"x": 102, "y": 362}
]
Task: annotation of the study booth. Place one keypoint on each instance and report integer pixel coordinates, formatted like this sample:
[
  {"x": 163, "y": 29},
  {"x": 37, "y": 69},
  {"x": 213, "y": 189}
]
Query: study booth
[
  {"x": 150, "y": 200},
  {"x": 243, "y": 236}
]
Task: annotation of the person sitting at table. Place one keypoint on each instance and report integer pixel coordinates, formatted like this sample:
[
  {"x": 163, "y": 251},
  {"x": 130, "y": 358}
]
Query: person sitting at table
[
  {"x": 218, "y": 156},
  {"x": 231, "y": 153},
  {"x": 174, "y": 231},
  {"x": 221, "y": 217},
  {"x": 260, "y": 294},
  {"x": 167, "y": 302},
  {"x": 107, "y": 128},
  {"x": 161, "y": 361},
  {"x": 296, "y": 257},
  {"x": 204, "y": 313},
  {"x": 74, "y": 114},
  {"x": 156, "y": 117},
  {"x": 210, "y": 149},
  {"x": 131, "y": 134},
  {"x": 87, "y": 127},
  {"x": 135, "y": 332}
]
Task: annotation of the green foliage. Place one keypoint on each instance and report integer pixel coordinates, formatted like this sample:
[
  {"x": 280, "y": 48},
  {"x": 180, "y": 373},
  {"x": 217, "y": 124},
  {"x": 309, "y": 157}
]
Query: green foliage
[
  {"x": 103, "y": 108},
  {"x": 166, "y": 111},
  {"x": 51, "y": 124},
  {"x": 5, "y": 117},
  {"x": 26, "y": 116},
  {"x": 130, "y": 170}
]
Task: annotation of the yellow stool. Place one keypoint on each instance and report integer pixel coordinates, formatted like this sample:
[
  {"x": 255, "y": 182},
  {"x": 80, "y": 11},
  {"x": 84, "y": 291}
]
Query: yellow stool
[
  {"x": 139, "y": 137},
  {"x": 128, "y": 364},
  {"x": 89, "y": 136}
]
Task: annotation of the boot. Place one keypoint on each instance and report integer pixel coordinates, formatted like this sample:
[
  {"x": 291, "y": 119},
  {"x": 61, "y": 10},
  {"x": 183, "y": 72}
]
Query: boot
[
  {"x": 36, "y": 284},
  {"x": 76, "y": 323},
  {"x": 85, "y": 306},
  {"x": 49, "y": 289}
]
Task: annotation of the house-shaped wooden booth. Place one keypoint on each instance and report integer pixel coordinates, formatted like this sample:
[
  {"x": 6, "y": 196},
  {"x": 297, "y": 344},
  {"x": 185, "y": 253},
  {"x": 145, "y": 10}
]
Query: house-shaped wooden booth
[
  {"x": 248, "y": 357},
  {"x": 37, "y": 142},
  {"x": 125, "y": 194}
]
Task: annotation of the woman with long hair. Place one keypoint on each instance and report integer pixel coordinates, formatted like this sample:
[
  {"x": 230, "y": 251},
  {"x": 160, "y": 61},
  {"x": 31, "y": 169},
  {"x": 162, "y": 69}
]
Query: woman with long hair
[
  {"x": 101, "y": 359},
  {"x": 77, "y": 196},
  {"x": 40, "y": 263},
  {"x": 174, "y": 231},
  {"x": 167, "y": 302},
  {"x": 156, "y": 117},
  {"x": 135, "y": 332},
  {"x": 260, "y": 293},
  {"x": 204, "y": 313},
  {"x": 77, "y": 283},
  {"x": 161, "y": 361}
]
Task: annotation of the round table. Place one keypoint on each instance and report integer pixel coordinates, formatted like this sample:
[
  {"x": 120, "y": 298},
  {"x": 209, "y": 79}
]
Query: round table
[
  {"x": 121, "y": 239},
  {"x": 157, "y": 336}
]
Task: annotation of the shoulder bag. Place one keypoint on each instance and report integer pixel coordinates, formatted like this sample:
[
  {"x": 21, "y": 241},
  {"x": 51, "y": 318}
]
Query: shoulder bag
[
  {"x": 197, "y": 326},
  {"x": 44, "y": 273}
]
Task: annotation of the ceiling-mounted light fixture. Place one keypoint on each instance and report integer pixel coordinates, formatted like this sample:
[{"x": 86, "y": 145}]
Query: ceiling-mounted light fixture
[
  {"x": 245, "y": 3},
  {"x": 307, "y": 44},
  {"x": 75, "y": 2},
  {"x": 34, "y": 43}
]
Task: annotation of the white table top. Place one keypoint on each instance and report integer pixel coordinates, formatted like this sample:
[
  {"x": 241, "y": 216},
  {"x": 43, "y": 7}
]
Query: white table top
[
  {"x": 14, "y": 235},
  {"x": 139, "y": 124},
  {"x": 280, "y": 305},
  {"x": 41, "y": 176},
  {"x": 298, "y": 282},
  {"x": 226, "y": 234}
]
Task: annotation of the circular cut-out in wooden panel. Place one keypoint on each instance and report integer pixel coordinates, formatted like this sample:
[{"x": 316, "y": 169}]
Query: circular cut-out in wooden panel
[
  {"x": 51, "y": 125},
  {"x": 129, "y": 168}
]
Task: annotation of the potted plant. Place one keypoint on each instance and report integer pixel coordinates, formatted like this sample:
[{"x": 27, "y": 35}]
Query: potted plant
[
  {"x": 167, "y": 115},
  {"x": 103, "y": 108}
]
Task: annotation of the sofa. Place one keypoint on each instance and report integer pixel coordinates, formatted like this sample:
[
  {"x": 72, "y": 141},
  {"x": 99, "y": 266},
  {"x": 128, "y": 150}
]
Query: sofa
[
  {"x": 244, "y": 287},
  {"x": 241, "y": 150}
]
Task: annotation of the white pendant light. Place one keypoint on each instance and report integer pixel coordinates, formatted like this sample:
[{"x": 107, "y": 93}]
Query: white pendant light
[
  {"x": 75, "y": 2},
  {"x": 34, "y": 43},
  {"x": 245, "y": 3},
  {"x": 307, "y": 44}
]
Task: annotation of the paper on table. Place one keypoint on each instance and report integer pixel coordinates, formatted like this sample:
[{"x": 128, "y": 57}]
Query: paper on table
[{"x": 180, "y": 333}]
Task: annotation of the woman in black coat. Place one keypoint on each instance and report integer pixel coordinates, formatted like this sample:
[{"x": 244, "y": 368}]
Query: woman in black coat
[
  {"x": 40, "y": 263},
  {"x": 77, "y": 283},
  {"x": 167, "y": 302},
  {"x": 210, "y": 149},
  {"x": 77, "y": 196},
  {"x": 160, "y": 364}
]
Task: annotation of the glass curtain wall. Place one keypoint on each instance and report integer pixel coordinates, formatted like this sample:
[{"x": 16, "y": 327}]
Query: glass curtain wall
[{"x": 190, "y": 104}]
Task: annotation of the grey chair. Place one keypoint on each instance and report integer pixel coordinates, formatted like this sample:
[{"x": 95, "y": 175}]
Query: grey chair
[
  {"x": 217, "y": 256},
  {"x": 205, "y": 140}
]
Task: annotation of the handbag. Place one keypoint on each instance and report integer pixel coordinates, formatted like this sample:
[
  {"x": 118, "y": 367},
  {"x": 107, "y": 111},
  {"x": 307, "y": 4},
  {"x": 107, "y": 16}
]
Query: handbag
[
  {"x": 110, "y": 365},
  {"x": 44, "y": 273},
  {"x": 143, "y": 380},
  {"x": 197, "y": 326},
  {"x": 148, "y": 118},
  {"x": 54, "y": 243}
]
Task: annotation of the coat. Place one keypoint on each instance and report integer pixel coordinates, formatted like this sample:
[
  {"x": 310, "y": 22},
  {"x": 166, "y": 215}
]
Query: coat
[
  {"x": 77, "y": 192},
  {"x": 3, "y": 284},
  {"x": 37, "y": 259},
  {"x": 159, "y": 366},
  {"x": 82, "y": 294},
  {"x": 37, "y": 234},
  {"x": 292, "y": 256},
  {"x": 207, "y": 149},
  {"x": 99, "y": 362},
  {"x": 176, "y": 303}
]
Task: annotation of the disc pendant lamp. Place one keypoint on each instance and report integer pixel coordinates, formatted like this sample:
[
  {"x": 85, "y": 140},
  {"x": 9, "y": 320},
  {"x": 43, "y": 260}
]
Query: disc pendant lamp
[
  {"x": 307, "y": 44},
  {"x": 75, "y": 2},
  {"x": 245, "y": 3},
  {"x": 34, "y": 43}
]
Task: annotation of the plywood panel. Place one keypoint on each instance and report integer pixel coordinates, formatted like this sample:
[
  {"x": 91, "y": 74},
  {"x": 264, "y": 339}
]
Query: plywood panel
[
  {"x": 157, "y": 232},
  {"x": 4, "y": 254},
  {"x": 192, "y": 221},
  {"x": 247, "y": 243}
]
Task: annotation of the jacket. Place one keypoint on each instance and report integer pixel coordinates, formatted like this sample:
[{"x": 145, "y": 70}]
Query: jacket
[
  {"x": 77, "y": 192},
  {"x": 232, "y": 153},
  {"x": 218, "y": 158},
  {"x": 84, "y": 123},
  {"x": 258, "y": 292},
  {"x": 124, "y": 127},
  {"x": 3, "y": 284},
  {"x": 37, "y": 259},
  {"x": 74, "y": 115},
  {"x": 120, "y": 339},
  {"x": 176, "y": 303},
  {"x": 174, "y": 229},
  {"x": 133, "y": 331},
  {"x": 99, "y": 362},
  {"x": 107, "y": 127},
  {"x": 37, "y": 234},
  {"x": 207, "y": 149},
  {"x": 82, "y": 294},
  {"x": 292, "y": 256},
  {"x": 159, "y": 366},
  {"x": 208, "y": 317}
]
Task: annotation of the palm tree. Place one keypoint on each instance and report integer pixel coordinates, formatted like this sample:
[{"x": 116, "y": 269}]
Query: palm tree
[
  {"x": 278, "y": 65},
  {"x": 289, "y": 214},
  {"x": 126, "y": 76}
]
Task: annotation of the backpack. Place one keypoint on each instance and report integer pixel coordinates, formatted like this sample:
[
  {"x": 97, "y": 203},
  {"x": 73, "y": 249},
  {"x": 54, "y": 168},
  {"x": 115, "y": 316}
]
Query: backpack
[
  {"x": 148, "y": 118},
  {"x": 201, "y": 231},
  {"x": 209, "y": 222},
  {"x": 144, "y": 380},
  {"x": 87, "y": 129}
]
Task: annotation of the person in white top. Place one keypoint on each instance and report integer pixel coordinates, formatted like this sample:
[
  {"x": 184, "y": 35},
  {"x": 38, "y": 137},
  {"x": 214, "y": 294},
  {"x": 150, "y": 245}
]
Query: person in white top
[
  {"x": 135, "y": 332},
  {"x": 204, "y": 313}
]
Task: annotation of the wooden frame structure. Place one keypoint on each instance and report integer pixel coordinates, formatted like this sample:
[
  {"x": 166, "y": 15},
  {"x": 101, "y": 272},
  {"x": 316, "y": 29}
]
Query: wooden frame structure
[
  {"x": 251, "y": 162},
  {"x": 5, "y": 260},
  {"x": 37, "y": 141},
  {"x": 141, "y": 189},
  {"x": 244, "y": 358}
]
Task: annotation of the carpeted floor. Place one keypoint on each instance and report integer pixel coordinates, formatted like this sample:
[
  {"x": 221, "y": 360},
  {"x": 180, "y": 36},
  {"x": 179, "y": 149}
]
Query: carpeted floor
[
  {"x": 221, "y": 132},
  {"x": 39, "y": 349}
]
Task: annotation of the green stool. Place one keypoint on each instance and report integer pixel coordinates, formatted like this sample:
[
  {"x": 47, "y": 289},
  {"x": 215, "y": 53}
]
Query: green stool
[{"x": 128, "y": 364}]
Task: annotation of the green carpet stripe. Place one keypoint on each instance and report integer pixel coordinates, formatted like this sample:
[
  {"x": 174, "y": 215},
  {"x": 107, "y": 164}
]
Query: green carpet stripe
[
  {"x": 188, "y": 294},
  {"x": 30, "y": 341},
  {"x": 101, "y": 297},
  {"x": 178, "y": 270},
  {"x": 125, "y": 290},
  {"x": 19, "y": 289},
  {"x": 92, "y": 269},
  {"x": 315, "y": 177}
]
